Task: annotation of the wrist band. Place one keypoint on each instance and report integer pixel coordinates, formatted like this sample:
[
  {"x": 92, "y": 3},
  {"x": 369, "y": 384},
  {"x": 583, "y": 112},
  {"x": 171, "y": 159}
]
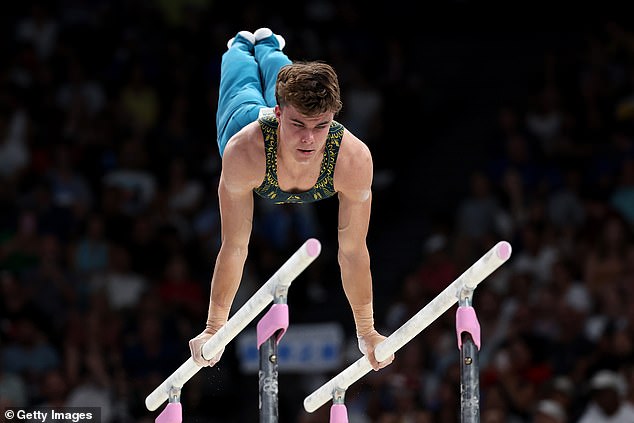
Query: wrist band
[{"x": 363, "y": 319}]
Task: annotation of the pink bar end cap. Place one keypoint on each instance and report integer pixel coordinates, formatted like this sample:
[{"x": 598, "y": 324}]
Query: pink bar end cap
[
  {"x": 313, "y": 247},
  {"x": 503, "y": 250}
]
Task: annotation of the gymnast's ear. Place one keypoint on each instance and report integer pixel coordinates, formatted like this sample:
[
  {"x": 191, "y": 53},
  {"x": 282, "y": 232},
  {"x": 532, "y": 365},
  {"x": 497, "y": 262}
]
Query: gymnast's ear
[{"x": 278, "y": 111}]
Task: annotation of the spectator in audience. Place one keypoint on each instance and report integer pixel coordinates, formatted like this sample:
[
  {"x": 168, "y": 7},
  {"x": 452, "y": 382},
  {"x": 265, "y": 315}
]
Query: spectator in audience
[
  {"x": 184, "y": 193},
  {"x": 29, "y": 354},
  {"x": 549, "y": 411},
  {"x": 139, "y": 102},
  {"x": 13, "y": 392},
  {"x": 90, "y": 254},
  {"x": 122, "y": 287},
  {"x": 54, "y": 390},
  {"x": 178, "y": 291},
  {"x": 51, "y": 283},
  {"x": 39, "y": 29},
  {"x": 622, "y": 199},
  {"x": 14, "y": 148},
  {"x": 136, "y": 184},
  {"x": 607, "y": 403},
  {"x": 479, "y": 214},
  {"x": 604, "y": 263},
  {"x": 19, "y": 249},
  {"x": 69, "y": 189}
]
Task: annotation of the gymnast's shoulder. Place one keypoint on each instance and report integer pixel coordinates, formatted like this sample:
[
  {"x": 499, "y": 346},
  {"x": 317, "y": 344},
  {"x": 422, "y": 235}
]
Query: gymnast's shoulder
[
  {"x": 353, "y": 171},
  {"x": 244, "y": 160}
]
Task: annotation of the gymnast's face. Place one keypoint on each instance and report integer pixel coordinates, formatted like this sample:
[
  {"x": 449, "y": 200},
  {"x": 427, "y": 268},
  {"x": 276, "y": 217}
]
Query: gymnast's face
[{"x": 302, "y": 137}]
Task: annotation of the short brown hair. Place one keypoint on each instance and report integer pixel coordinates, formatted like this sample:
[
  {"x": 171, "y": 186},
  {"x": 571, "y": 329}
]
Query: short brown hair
[{"x": 310, "y": 87}]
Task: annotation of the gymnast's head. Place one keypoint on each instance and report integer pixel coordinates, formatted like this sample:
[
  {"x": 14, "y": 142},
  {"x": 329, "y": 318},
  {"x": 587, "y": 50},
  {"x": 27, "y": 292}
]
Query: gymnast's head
[{"x": 312, "y": 88}]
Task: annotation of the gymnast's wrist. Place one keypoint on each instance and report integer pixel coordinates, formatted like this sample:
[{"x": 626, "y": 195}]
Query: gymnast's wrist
[
  {"x": 368, "y": 334},
  {"x": 217, "y": 317},
  {"x": 213, "y": 325},
  {"x": 363, "y": 319}
]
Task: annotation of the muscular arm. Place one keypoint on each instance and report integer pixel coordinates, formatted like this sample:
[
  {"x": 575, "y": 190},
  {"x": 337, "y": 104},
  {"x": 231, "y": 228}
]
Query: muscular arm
[
  {"x": 353, "y": 180},
  {"x": 353, "y": 255},
  {"x": 240, "y": 173},
  {"x": 236, "y": 213}
]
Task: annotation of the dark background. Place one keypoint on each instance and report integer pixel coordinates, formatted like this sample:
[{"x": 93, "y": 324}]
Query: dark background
[{"x": 486, "y": 122}]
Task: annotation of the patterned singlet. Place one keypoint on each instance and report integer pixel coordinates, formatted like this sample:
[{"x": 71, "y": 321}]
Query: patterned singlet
[{"x": 323, "y": 188}]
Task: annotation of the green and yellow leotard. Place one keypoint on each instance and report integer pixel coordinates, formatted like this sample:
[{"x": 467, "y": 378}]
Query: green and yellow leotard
[{"x": 323, "y": 188}]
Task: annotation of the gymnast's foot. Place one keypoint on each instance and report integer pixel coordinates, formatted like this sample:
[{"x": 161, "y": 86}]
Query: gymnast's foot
[
  {"x": 265, "y": 33},
  {"x": 246, "y": 35}
]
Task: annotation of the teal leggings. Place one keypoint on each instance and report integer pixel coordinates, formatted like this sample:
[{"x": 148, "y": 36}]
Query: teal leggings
[{"x": 247, "y": 84}]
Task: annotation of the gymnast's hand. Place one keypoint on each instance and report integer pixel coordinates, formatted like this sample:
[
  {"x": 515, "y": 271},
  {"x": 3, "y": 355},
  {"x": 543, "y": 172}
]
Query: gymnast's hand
[
  {"x": 367, "y": 344},
  {"x": 196, "y": 348}
]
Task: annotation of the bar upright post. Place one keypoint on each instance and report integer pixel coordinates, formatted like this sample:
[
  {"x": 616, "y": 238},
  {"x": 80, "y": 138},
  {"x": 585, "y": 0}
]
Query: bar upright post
[
  {"x": 270, "y": 330},
  {"x": 468, "y": 334}
]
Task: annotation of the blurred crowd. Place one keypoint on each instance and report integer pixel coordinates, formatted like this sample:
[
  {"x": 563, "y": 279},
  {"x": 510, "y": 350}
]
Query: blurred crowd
[{"x": 109, "y": 219}]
